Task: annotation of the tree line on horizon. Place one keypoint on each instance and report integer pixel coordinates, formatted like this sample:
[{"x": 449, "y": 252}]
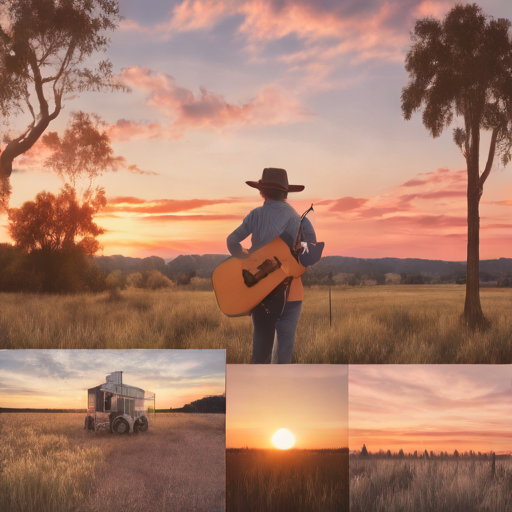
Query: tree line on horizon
[
  {"x": 207, "y": 404},
  {"x": 427, "y": 455}
]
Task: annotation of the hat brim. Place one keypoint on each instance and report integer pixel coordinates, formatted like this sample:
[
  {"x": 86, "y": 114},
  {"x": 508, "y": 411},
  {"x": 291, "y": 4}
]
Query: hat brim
[{"x": 259, "y": 186}]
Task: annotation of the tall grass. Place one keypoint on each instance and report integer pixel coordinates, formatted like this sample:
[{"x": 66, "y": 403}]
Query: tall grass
[
  {"x": 380, "y": 324},
  {"x": 49, "y": 463},
  {"x": 430, "y": 486},
  {"x": 298, "y": 480},
  {"x": 41, "y": 468}
]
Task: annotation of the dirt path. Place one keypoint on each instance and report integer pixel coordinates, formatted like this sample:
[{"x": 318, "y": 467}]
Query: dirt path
[{"x": 178, "y": 465}]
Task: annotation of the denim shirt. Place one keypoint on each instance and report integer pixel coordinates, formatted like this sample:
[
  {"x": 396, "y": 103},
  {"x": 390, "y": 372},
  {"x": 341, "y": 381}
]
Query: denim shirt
[{"x": 265, "y": 224}]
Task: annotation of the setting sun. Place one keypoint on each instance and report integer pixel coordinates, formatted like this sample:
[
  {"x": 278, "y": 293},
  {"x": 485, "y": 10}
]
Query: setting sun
[{"x": 283, "y": 439}]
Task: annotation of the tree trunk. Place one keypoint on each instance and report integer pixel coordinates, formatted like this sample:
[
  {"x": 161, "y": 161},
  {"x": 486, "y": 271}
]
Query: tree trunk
[
  {"x": 16, "y": 148},
  {"x": 473, "y": 314}
]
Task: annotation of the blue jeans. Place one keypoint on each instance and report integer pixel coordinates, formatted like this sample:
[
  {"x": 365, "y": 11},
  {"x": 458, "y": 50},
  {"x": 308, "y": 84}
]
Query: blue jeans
[{"x": 269, "y": 321}]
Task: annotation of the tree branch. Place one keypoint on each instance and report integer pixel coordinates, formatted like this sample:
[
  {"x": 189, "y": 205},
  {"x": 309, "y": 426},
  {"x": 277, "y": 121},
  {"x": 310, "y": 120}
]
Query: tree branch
[
  {"x": 30, "y": 107},
  {"x": 490, "y": 158},
  {"x": 38, "y": 84}
]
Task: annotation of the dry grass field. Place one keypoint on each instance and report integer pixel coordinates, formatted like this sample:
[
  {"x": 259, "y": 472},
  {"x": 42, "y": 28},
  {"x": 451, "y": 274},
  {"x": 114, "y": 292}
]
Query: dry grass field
[
  {"x": 379, "y": 324},
  {"x": 280, "y": 481},
  {"x": 430, "y": 486},
  {"x": 48, "y": 463}
]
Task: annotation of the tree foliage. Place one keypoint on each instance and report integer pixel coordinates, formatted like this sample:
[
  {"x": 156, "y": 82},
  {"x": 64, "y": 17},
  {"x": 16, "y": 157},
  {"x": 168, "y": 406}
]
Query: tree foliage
[
  {"x": 44, "y": 49},
  {"x": 462, "y": 67},
  {"x": 55, "y": 222},
  {"x": 55, "y": 238},
  {"x": 84, "y": 150}
]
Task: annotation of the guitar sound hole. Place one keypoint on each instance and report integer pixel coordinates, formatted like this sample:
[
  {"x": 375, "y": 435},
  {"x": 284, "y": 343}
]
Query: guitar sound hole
[{"x": 266, "y": 268}]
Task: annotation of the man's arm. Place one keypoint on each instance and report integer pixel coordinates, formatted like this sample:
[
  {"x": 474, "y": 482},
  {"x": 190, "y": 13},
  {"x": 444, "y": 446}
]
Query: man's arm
[{"x": 240, "y": 234}]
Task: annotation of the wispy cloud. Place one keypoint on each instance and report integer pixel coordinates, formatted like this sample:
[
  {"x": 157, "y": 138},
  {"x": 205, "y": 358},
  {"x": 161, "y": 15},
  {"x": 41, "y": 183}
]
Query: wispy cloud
[
  {"x": 139, "y": 206},
  {"x": 327, "y": 31},
  {"x": 59, "y": 378},
  {"x": 440, "y": 407},
  {"x": 185, "y": 110}
]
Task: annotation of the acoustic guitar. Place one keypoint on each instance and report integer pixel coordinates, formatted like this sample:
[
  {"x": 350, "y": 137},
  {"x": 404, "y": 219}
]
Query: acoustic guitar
[{"x": 241, "y": 284}]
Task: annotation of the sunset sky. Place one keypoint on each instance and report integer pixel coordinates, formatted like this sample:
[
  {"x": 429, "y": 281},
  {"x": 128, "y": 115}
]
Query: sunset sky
[
  {"x": 60, "y": 378},
  {"x": 432, "y": 407},
  {"x": 309, "y": 400},
  {"x": 221, "y": 90}
]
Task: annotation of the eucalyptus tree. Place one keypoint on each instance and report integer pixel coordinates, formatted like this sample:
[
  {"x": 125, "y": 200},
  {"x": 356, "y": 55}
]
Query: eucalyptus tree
[
  {"x": 461, "y": 67},
  {"x": 49, "y": 53}
]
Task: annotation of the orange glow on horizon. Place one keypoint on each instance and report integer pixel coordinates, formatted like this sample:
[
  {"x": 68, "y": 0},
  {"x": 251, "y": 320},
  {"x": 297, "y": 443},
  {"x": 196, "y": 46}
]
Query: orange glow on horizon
[{"x": 310, "y": 400}]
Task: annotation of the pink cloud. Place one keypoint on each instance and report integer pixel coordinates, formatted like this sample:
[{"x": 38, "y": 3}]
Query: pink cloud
[
  {"x": 125, "y": 200},
  {"x": 438, "y": 221},
  {"x": 346, "y": 204},
  {"x": 328, "y": 29},
  {"x": 377, "y": 212},
  {"x": 441, "y": 175},
  {"x": 125, "y": 130},
  {"x": 159, "y": 206},
  {"x": 207, "y": 110},
  {"x": 174, "y": 218}
]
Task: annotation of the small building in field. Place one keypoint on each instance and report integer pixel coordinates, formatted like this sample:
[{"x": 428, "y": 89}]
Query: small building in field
[{"x": 119, "y": 408}]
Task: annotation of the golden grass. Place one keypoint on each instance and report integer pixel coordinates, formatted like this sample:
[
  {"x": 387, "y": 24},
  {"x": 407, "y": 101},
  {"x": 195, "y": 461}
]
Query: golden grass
[
  {"x": 47, "y": 465},
  {"x": 50, "y": 464},
  {"x": 298, "y": 480},
  {"x": 380, "y": 324},
  {"x": 430, "y": 486}
]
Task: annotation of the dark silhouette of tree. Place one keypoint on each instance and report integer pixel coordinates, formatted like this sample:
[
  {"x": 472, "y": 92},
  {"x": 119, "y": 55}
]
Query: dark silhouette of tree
[
  {"x": 462, "y": 66},
  {"x": 51, "y": 223},
  {"x": 44, "y": 45},
  {"x": 364, "y": 451},
  {"x": 59, "y": 230},
  {"x": 455, "y": 453},
  {"x": 401, "y": 454},
  {"x": 425, "y": 454}
]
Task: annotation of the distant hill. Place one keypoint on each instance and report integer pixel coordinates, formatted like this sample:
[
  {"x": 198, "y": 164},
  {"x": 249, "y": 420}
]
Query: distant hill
[
  {"x": 203, "y": 265},
  {"x": 343, "y": 264}
]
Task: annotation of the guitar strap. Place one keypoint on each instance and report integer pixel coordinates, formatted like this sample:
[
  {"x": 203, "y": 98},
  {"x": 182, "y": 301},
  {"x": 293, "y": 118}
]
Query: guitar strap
[{"x": 298, "y": 239}]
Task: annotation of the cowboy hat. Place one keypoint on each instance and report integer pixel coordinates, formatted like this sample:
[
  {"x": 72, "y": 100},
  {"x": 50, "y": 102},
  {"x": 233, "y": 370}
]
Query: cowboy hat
[{"x": 275, "y": 178}]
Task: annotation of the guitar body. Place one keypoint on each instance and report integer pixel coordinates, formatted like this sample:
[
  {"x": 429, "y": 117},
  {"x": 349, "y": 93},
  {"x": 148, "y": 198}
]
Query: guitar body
[{"x": 241, "y": 284}]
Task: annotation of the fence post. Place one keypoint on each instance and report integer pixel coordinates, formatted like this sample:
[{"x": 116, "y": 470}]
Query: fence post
[{"x": 330, "y": 308}]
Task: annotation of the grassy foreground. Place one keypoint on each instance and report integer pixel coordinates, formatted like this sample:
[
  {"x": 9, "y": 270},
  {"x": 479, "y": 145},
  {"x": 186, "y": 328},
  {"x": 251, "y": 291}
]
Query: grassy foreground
[
  {"x": 430, "y": 486},
  {"x": 48, "y": 463},
  {"x": 380, "y": 324},
  {"x": 276, "y": 481}
]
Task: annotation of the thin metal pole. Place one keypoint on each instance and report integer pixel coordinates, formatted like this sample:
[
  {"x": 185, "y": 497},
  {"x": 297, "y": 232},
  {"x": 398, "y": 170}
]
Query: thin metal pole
[{"x": 330, "y": 308}]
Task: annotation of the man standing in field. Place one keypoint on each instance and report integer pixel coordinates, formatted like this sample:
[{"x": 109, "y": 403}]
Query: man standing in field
[{"x": 280, "y": 310}]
